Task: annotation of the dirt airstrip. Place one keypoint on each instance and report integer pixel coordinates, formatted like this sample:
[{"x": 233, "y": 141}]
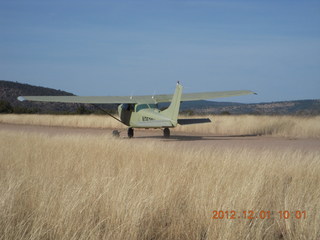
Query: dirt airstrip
[{"x": 183, "y": 139}]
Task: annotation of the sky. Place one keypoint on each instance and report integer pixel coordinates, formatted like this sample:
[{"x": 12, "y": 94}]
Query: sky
[{"x": 144, "y": 47}]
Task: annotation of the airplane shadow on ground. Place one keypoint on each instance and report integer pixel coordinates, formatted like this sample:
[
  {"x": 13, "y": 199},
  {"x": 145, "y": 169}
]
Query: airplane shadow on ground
[{"x": 200, "y": 138}]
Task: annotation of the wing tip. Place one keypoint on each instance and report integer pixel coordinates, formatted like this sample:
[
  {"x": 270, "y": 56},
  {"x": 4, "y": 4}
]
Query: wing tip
[
  {"x": 252, "y": 92},
  {"x": 21, "y": 99}
]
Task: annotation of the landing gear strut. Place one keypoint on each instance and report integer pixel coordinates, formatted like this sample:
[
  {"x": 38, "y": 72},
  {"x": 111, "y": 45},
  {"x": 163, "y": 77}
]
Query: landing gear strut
[
  {"x": 130, "y": 132},
  {"x": 166, "y": 132}
]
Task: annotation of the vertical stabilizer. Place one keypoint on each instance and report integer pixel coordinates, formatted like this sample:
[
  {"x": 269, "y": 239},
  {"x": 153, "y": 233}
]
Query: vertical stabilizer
[{"x": 173, "y": 110}]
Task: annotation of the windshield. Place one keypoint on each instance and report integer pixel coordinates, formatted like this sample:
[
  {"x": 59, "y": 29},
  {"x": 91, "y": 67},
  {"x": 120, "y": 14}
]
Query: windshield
[
  {"x": 144, "y": 106},
  {"x": 153, "y": 105}
]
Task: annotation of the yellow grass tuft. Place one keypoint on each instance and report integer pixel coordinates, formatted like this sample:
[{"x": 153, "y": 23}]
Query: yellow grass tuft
[{"x": 96, "y": 187}]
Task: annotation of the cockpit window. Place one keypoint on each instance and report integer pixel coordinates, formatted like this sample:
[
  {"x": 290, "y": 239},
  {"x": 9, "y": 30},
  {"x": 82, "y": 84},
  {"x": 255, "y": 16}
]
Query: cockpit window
[
  {"x": 153, "y": 105},
  {"x": 141, "y": 106},
  {"x": 144, "y": 106}
]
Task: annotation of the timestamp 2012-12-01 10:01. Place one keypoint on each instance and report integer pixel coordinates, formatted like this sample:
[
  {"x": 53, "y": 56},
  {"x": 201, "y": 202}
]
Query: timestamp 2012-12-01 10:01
[{"x": 260, "y": 214}]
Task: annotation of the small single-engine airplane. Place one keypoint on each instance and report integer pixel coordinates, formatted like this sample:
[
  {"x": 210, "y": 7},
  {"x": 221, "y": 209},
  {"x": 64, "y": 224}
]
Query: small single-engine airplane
[{"x": 143, "y": 111}]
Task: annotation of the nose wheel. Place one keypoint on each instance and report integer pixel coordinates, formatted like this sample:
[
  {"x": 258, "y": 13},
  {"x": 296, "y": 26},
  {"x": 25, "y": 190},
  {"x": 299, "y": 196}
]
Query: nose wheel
[
  {"x": 130, "y": 132},
  {"x": 166, "y": 132},
  {"x": 116, "y": 133}
]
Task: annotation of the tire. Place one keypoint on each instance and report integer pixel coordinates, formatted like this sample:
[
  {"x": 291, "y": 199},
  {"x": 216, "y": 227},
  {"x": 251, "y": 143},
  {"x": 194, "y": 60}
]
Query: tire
[
  {"x": 166, "y": 133},
  {"x": 130, "y": 132}
]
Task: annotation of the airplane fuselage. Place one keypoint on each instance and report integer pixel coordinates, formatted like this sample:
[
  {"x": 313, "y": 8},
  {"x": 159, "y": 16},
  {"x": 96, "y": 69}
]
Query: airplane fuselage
[{"x": 143, "y": 116}]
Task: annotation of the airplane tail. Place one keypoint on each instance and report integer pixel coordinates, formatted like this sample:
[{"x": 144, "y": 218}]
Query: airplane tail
[{"x": 173, "y": 110}]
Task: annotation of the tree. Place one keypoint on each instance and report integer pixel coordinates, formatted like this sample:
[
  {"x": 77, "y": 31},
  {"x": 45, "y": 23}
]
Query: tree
[
  {"x": 225, "y": 113},
  {"x": 82, "y": 110},
  {"x": 5, "y": 107}
]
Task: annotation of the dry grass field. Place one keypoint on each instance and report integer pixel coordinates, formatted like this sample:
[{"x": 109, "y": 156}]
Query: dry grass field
[{"x": 98, "y": 187}]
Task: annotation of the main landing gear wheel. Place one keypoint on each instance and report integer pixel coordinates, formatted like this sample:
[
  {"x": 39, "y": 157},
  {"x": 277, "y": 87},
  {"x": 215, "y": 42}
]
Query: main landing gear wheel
[
  {"x": 130, "y": 132},
  {"x": 166, "y": 132},
  {"x": 116, "y": 133}
]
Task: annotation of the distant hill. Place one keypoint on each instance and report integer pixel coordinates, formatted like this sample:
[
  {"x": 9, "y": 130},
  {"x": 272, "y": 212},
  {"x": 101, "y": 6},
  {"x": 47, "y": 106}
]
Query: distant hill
[
  {"x": 298, "y": 107},
  {"x": 9, "y": 91}
]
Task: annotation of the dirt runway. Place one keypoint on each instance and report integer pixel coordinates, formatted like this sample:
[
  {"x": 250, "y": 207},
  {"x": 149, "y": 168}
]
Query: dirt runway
[{"x": 183, "y": 139}]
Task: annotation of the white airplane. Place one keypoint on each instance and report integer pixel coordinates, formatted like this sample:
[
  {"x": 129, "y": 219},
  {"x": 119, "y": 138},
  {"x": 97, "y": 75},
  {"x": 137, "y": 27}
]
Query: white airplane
[{"x": 143, "y": 111}]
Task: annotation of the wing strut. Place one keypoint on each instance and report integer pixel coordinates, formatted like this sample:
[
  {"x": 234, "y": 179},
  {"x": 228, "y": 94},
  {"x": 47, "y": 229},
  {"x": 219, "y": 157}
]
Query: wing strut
[{"x": 101, "y": 109}]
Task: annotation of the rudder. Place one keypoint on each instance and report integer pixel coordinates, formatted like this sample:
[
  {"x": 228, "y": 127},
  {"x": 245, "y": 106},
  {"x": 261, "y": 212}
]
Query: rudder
[{"x": 173, "y": 110}]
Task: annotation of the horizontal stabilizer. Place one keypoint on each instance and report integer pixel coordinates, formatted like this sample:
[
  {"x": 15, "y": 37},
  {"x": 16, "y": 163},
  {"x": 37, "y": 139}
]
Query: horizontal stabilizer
[{"x": 193, "y": 121}]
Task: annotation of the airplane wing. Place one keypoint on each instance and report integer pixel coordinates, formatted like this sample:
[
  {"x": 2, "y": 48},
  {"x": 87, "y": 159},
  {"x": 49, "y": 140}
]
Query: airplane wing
[
  {"x": 203, "y": 96},
  {"x": 134, "y": 99},
  {"x": 81, "y": 99}
]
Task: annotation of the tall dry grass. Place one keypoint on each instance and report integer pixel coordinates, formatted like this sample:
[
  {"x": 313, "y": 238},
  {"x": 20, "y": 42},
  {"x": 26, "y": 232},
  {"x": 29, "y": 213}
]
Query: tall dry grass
[
  {"x": 284, "y": 126},
  {"x": 84, "y": 121},
  {"x": 85, "y": 187}
]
